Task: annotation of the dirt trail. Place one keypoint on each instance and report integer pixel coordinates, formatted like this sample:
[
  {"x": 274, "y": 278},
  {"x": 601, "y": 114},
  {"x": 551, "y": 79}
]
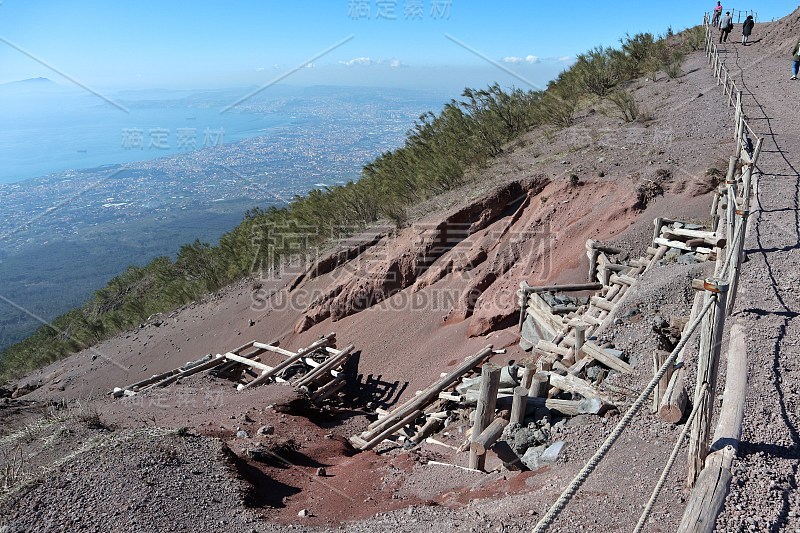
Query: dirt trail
[{"x": 764, "y": 493}]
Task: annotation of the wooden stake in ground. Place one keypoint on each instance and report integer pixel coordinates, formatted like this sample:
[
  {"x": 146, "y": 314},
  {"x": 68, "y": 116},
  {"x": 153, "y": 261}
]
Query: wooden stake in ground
[
  {"x": 484, "y": 412},
  {"x": 519, "y": 406},
  {"x": 659, "y": 357}
]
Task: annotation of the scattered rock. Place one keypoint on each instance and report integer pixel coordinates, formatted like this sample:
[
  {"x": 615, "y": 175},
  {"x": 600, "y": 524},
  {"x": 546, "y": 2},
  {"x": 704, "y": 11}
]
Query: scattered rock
[{"x": 266, "y": 430}]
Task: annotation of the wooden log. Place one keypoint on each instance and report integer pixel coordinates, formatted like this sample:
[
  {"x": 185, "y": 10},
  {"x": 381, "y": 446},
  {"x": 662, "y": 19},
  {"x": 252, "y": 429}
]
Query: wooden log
[
  {"x": 602, "y": 303},
  {"x": 380, "y": 436},
  {"x": 711, "y": 236},
  {"x": 579, "y": 330},
  {"x": 599, "y": 355},
  {"x": 551, "y": 323},
  {"x": 680, "y": 245},
  {"x": 708, "y": 497},
  {"x": 622, "y": 279},
  {"x": 574, "y": 287},
  {"x": 450, "y": 396},
  {"x": 731, "y": 415},
  {"x": 731, "y": 211},
  {"x": 527, "y": 375},
  {"x": 433, "y": 391},
  {"x": 673, "y": 403},
  {"x": 579, "y": 366},
  {"x": 148, "y": 381},
  {"x": 606, "y": 249},
  {"x": 328, "y": 390},
  {"x": 484, "y": 411},
  {"x": 707, "y": 367},
  {"x": 591, "y": 320},
  {"x": 657, "y": 223},
  {"x": 431, "y": 426},
  {"x": 245, "y": 361},
  {"x": 714, "y": 208},
  {"x": 592, "y": 254},
  {"x": 659, "y": 357},
  {"x": 736, "y": 252},
  {"x": 574, "y": 384},
  {"x": 565, "y": 407},
  {"x": 488, "y": 437},
  {"x": 539, "y": 385},
  {"x": 289, "y": 361},
  {"x": 519, "y": 405},
  {"x": 564, "y": 309},
  {"x": 273, "y": 348},
  {"x": 323, "y": 369},
  {"x": 216, "y": 361},
  {"x": 548, "y": 346}
]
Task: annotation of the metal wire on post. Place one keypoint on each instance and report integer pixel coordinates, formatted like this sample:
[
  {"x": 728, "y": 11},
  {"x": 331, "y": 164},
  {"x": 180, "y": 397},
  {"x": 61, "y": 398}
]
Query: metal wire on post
[{"x": 552, "y": 513}]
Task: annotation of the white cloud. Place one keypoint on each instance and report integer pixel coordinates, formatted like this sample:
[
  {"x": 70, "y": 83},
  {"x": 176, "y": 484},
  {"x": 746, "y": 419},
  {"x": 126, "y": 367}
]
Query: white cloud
[
  {"x": 310, "y": 65},
  {"x": 357, "y": 61},
  {"x": 565, "y": 59},
  {"x": 395, "y": 63},
  {"x": 531, "y": 59}
]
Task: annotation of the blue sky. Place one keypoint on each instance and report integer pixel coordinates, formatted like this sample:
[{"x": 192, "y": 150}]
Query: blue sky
[{"x": 204, "y": 44}]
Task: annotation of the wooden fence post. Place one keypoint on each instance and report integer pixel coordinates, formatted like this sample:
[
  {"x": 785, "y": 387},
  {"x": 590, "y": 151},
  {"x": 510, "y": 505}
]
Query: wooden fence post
[
  {"x": 484, "y": 411},
  {"x": 730, "y": 182},
  {"x": 740, "y": 126},
  {"x": 736, "y": 257},
  {"x": 713, "y": 326}
]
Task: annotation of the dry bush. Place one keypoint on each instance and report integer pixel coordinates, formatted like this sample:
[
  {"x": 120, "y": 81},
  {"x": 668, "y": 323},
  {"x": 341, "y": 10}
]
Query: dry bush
[
  {"x": 647, "y": 191},
  {"x": 625, "y": 104},
  {"x": 12, "y": 467}
]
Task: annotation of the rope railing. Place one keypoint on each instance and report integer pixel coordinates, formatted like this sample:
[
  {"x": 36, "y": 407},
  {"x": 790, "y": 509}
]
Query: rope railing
[
  {"x": 665, "y": 472},
  {"x": 709, "y": 470},
  {"x": 719, "y": 292},
  {"x": 591, "y": 465}
]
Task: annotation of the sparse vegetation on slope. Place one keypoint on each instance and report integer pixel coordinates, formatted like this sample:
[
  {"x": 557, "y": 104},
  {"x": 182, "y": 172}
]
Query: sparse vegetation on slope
[{"x": 466, "y": 133}]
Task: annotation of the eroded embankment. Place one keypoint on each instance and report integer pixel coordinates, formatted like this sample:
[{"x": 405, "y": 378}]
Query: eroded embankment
[{"x": 525, "y": 229}]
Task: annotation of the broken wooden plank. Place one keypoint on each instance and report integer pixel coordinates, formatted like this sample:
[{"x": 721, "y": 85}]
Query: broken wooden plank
[{"x": 598, "y": 354}]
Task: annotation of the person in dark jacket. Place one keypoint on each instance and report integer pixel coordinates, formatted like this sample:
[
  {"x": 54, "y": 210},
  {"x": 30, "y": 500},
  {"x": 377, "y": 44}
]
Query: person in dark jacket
[
  {"x": 725, "y": 27},
  {"x": 795, "y": 60},
  {"x": 747, "y": 29}
]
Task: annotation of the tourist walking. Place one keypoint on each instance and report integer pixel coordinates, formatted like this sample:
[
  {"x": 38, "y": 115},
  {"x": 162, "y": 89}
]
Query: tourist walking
[
  {"x": 795, "y": 60},
  {"x": 717, "y": 14},
  {"x": 725, "y": 27},
  {"x": 747, "y": 29}
]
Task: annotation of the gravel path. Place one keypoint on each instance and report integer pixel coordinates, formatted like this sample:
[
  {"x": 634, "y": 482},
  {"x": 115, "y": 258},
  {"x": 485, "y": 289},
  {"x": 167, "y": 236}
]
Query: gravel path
[{"x": 764, "y": 493}]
